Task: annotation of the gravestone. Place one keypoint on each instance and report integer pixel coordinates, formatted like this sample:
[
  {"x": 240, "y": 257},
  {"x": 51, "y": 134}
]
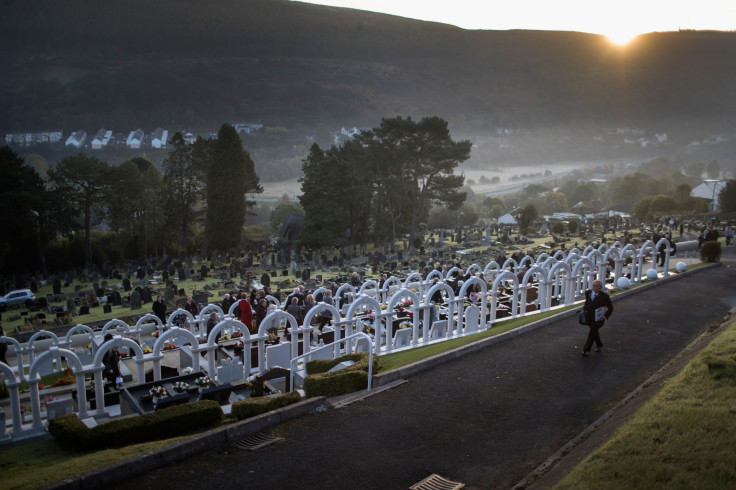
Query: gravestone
[
  {"x": 57, "y": 286},
  {"x": 126, "y": 284},
  {"x": 182, "y": 273},
  {"x": 165, "y": 276},
  {"x": 230, "y": 370},
  {"x": 71, "y": 306},
  {"x": 116, "y": 299},
  {"x": 135, "y": 300}
]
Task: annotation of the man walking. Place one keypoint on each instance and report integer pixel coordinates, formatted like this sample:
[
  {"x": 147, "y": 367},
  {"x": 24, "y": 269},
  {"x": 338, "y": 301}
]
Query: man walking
[{"x": 598, "y": 308}]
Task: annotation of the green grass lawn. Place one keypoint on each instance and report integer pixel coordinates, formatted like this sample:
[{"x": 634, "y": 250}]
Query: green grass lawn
[{"x": 684, "y": 437}]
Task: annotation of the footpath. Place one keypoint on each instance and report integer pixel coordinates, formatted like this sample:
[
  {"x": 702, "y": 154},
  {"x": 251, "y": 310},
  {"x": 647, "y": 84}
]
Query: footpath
[{"x": 516, "y": 411}]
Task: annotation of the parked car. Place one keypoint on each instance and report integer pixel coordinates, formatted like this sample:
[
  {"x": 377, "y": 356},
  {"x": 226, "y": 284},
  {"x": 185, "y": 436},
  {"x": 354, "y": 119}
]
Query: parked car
[{"x": 17, "y": 297}]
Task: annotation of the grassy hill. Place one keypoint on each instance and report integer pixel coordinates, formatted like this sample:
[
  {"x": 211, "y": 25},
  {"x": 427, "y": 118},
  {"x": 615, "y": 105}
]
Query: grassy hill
[
  {"x": 306, "y": 70},
  {"x": 193, "y": 64}
]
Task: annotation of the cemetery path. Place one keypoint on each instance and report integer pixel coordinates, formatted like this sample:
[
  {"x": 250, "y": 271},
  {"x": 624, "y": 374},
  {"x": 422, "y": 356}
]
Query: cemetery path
[{"x": 487, "y": 419}]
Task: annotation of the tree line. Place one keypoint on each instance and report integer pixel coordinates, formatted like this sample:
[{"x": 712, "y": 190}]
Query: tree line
[
  {"x": 389, "y": 183},
  {"x": 203, "y": 191}
]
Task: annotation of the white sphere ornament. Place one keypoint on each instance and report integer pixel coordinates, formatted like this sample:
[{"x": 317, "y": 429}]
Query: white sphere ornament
[
  {"x": 680, "y": 267},
  {"x": 652, "y": 274},
  {"x": 623, "y": 282}
]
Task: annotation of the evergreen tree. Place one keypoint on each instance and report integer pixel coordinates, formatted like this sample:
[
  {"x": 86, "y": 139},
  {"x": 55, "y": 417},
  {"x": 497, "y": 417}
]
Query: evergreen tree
[
  {"x": 415, "y": 163},
  {"x": 231, "y": 177},
  {"x": 727, "y": 197},
  {"x": 21, "y": 199},
  {"x": 85, "y": 182},
  {"x": 324, "y": 217},
  {"x": 183, "y": 190}
]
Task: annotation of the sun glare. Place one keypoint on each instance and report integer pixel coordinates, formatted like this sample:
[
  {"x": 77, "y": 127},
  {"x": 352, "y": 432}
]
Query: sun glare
[{"x": 621, "y": 38}]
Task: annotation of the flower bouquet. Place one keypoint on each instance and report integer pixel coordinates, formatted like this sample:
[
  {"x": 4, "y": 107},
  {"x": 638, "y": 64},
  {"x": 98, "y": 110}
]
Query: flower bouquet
[
  {"x": 237, "y": 334},
  {"x": 188, "y": 370},
  {"x": 203, "y": 382},
  {"x": 157, "y": 392},
  {"x": 237, "y": 344},
  {"x": 169, "y": 346},
  {"x": 180, "y": 386}
]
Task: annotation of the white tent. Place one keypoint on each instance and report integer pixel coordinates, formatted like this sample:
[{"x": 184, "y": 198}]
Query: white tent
[{"x": 506, "y": 219}]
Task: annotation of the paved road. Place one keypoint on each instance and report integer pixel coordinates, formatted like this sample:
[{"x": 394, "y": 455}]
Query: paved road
[{"x": 485, "y": 420}]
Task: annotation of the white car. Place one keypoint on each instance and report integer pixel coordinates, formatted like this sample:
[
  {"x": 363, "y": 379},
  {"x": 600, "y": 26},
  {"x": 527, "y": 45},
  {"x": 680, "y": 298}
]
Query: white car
[{"x": 19, "y": 296}]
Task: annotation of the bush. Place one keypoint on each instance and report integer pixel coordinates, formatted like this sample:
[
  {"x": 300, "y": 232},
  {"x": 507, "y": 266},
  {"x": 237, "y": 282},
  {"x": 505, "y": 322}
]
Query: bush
[
  {"x": 69, "y": 431},
  {"x": 320, "y": 382},
  {"x": 168, "y": 422},
  {"x": 710, "y": 251},
  {"x": 335, "y": 384},
  {"x": 250, "y": 407}
]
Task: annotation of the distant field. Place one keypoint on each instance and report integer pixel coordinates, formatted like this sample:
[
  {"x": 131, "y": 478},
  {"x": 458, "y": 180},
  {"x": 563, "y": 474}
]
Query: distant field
[{"x": 275, "y": 190}]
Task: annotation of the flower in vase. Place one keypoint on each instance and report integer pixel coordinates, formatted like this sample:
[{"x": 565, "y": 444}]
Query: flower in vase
[
  {"x": 180, "y": 386},
  {"x": 188, "y": 370},
  {"x": 203, "y": 381},
  {"x": 157, "y": 391}
]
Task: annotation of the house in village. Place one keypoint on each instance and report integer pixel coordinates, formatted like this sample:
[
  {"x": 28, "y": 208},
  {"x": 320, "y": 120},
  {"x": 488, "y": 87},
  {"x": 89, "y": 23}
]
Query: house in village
[
  {"x": 30, "y": 138},
  {"x": 101, "y": 139},
  {"x": 247, "y": 128},
  {"x": 709, "y": 190},
  {"x": 76, "y": 139},
  {"x": 135, "y": 138},
  {"x": 159, "y": 138}
]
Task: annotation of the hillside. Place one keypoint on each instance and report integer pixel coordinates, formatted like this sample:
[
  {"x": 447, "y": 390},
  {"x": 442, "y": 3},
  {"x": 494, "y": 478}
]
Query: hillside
[{"x": 192, "y": 65}]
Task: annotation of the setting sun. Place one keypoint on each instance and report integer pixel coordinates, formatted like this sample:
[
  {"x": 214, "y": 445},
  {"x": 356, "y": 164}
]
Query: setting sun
[{"x": 622, "y": 38}]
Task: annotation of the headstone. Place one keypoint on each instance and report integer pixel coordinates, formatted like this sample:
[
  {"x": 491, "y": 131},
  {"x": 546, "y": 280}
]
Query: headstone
[
  {"x": 57, "y": 286},
  {"x": 71, "y": 306},
  {"x": 230, "y": 370},
  {"x": 116, "y": 299},
  {"x": 135, "y": 300},
  {"x": 126, "y": 284}
]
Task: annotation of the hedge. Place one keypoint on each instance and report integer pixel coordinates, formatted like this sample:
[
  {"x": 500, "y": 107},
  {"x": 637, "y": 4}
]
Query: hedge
[
  {"x": 320, "y": 382},
  {"x": 161, "y": 424},
  {"x": 250, "y": 407}
]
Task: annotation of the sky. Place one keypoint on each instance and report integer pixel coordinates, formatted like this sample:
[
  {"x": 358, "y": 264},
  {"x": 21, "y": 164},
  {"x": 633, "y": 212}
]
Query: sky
[{"x": 618, "y": 19}]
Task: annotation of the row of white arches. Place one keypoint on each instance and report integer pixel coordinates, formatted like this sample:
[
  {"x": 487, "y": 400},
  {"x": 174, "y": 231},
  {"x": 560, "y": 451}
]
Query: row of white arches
[{"x": 561, "y": 278}]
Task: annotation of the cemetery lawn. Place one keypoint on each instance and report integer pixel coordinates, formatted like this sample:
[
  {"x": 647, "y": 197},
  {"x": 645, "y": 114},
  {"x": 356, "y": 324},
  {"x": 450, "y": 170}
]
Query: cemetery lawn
[
  {"x": 682, "y": 438},
  {"x": 40, "y": 464}
]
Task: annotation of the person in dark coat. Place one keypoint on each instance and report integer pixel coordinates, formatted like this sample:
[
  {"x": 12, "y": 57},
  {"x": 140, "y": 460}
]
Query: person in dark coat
[
  {"x": 111, "y": 363},
  {"x": 261, "y": 311},
  {"x": 598, "y": 308},
  {"x": 191, "y": 306},
  {"x": 159, "y": 309},
  {"x": 3, "y": 347}
]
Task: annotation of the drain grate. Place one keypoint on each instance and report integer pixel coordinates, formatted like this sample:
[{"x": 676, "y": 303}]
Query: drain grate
[
  {"x": 255, "y": 441},
  {"x": 436, "y": 482}
]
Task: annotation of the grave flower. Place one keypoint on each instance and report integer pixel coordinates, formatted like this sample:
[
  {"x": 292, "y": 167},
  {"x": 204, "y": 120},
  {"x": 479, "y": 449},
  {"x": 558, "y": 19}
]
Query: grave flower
[
  {"x": 157, "y": 391},
  {"x": 147, "y": 349},
  {"x": 407, "y": 303},
  {"x": 203, "y": 381},
  {"x": 188, "y": 370},
  {"x": 169, "y": 346},
  {"x": 403, "y": 325},
  {"x": 180, "y": 386},
  {"x": 237, "y": 334},
  {"x": 238, "y": 344}
]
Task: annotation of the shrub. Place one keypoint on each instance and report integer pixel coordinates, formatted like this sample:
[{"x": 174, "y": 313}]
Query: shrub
[
  {"x": 320, "y": 382},
  {"x": 67, "y": 378},
  {"x": 335, "y": 384},
  {"x": 69, "y": 431},
  {"x": 250, "y": 407},
  {"x": 710, "y": 251},
  {"x": 168, "y": 422}
]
